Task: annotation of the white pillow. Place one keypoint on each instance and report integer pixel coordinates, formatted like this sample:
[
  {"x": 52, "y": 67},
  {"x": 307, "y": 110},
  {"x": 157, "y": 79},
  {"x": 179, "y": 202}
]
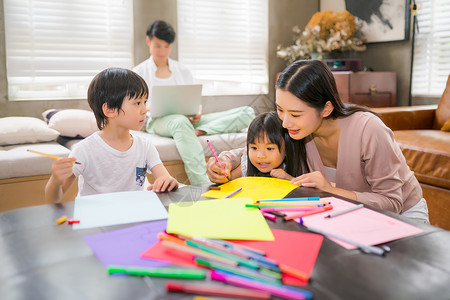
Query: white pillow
[
  {"x": 71, "y": 122},
  {"x": 23, "y": 130}
]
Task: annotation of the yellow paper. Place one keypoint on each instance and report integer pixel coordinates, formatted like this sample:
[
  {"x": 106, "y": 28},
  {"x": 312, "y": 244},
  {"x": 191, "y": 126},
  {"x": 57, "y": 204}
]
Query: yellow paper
[
  {"x": 218, "y": 219},
  {"x": 256, "y": 188}
]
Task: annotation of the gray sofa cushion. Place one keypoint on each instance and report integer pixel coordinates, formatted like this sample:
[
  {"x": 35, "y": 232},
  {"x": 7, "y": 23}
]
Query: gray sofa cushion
[{"x": 16, "y": 161}]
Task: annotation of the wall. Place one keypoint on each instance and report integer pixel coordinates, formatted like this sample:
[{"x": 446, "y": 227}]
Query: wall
[{"x": 283, "y": 15}]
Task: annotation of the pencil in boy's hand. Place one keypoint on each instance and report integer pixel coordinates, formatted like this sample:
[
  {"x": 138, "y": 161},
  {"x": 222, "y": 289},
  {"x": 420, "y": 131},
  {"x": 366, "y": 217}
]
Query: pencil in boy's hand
[
  {"x": 217, "y": 158},
  {"x": 51, "y": 156}
]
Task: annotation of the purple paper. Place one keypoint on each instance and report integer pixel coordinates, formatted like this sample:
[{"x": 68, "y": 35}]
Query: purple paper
[{"x": 124, "y": 247}]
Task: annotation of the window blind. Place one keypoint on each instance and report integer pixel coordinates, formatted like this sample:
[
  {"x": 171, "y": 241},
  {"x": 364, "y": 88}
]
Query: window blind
[
  {"x": 431, "y": 65},
  {"x": 54, "y": 48},
  {"x": 224, "y": 44}
]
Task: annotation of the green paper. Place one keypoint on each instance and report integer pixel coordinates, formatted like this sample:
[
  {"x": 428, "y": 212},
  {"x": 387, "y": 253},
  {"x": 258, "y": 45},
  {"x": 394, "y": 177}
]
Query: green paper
[{"x": 218, "y": 219}]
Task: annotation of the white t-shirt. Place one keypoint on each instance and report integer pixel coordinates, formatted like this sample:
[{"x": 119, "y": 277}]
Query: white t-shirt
[{"x": 104, "y": 169}]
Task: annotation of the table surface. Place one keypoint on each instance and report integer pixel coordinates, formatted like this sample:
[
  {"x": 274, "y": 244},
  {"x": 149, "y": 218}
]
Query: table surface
[{"x": 41, "y": 260}]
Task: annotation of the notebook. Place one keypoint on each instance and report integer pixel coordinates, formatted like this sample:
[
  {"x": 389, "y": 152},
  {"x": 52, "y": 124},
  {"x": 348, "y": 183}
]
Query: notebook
[{"x": 175, "y": 99}]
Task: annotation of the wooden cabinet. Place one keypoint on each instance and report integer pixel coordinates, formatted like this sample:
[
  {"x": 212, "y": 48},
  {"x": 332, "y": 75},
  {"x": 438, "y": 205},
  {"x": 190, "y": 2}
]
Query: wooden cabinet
[{"x": 373, "y": 89}]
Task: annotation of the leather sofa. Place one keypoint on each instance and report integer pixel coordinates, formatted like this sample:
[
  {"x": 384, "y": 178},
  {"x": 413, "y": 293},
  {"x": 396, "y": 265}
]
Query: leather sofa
[{"x": 426, "y": 147}]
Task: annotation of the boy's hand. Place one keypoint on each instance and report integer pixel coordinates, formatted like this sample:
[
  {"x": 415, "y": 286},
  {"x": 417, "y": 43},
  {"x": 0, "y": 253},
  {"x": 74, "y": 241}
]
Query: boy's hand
[
  {"x": 62, "y": 169},
  {"x": 163, "y": 183},
  {"x": 280, "y": 173}
]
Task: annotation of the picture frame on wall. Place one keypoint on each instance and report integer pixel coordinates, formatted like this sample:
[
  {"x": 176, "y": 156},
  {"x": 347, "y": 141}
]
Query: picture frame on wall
[{"x": 381, "y": 20}]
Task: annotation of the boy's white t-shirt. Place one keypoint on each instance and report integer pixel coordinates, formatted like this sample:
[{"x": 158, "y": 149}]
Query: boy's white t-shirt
[{"x": 104, "y": 169}]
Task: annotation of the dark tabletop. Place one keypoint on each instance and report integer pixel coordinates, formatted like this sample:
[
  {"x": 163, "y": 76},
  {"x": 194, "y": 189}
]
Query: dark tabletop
[{"x": 41, "y": 260}]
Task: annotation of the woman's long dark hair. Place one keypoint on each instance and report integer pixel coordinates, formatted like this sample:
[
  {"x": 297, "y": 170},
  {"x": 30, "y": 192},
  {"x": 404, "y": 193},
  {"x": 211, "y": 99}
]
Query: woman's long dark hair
[
  {"x": 265, "y": 125},
  {"x": 312, "y": 82}
]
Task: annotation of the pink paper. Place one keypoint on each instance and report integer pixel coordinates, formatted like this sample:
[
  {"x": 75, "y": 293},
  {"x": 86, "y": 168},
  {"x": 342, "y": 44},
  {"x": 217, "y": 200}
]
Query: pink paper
[
  {"x": 296, "y": 249},
  {"x": 362, "y": 225}
]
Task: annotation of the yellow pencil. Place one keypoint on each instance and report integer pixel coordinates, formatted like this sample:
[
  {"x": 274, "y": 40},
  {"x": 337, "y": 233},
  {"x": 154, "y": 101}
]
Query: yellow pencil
[{"x": 51, "y": 156}]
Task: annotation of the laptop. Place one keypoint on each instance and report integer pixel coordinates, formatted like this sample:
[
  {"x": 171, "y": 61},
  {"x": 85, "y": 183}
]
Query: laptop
[{"x": 175, "y": 99}]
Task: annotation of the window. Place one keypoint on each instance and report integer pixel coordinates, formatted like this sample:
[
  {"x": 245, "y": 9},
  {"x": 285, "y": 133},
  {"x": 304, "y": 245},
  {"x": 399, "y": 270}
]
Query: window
[
  {"x": 224, "y": 44},
  {"x": 431, "y": 65},
  {"x": 54, "y": 48}
]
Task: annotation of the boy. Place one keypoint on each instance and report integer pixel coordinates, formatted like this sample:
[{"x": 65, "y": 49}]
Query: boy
[{"x": 112, "y": 159}]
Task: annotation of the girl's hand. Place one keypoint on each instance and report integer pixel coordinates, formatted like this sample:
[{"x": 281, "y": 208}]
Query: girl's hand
[
  {"x": 280, "y": 173},
  {"x": 313, "y": 179},
  {"x": 163, "y": 183},
  {"x": 218, "y": 172},
  {"x": 62, "y": 169}
]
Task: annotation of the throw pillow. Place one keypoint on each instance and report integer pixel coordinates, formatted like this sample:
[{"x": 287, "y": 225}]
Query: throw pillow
[
  {"x": 71, "y": 122},
  {"x": 23, "y": 130},
  {"x": 446, "y": 126}
]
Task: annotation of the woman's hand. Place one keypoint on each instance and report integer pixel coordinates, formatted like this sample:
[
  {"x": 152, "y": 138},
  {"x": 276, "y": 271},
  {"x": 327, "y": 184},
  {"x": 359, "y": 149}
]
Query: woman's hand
[
  {"x": 163, "y": 183},
  {"x": 313, "y": 179},
  {"x": 280, "y": 173},
  {"x": 217, "y": 172}
]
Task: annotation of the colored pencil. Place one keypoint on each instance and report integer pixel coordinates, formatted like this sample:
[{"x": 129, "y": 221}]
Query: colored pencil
[
  {"x": 51, "y": 156},
  {"x": 222, "y": 290},
  {"x": 307, "y": 213},
  {"x": 234, "y": 193},
  {"x": 344, "y": 211},
  {"x": 198, "y": 252},
  {"x": 276, "y": 290},
  {"x": 217, "y": 158},
  {"x": 363, "y": 247},
  {"x": 286, "y": 206},
  {"x": 282, "y": 209},
  {"x": 290, "y": 199}
]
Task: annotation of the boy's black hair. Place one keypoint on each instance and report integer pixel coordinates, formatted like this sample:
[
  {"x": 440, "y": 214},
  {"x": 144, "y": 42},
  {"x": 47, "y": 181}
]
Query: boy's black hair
[
  {"x": 112, "y": 86},
  {"x": 265, "y": 125},
  {"x": 162, "y": 30}
]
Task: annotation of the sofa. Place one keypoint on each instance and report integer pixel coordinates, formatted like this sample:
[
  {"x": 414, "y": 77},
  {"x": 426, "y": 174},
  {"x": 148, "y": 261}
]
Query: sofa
[
  {"x": 23, "y": 175},
  {"x": 422, "y": 133}
]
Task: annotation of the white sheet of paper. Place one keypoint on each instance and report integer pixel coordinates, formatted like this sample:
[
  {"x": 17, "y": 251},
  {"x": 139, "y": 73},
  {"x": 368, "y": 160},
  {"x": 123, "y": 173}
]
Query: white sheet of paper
[{"x": 117, "y": 208}]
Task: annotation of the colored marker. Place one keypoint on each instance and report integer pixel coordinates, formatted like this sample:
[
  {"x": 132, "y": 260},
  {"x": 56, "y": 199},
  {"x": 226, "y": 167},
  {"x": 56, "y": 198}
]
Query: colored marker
[
  {"x": 51, "y": 156},
  {"x": 290, "y": 199},
  {"x": 276, "y": 290},
  {"x": 308, "y": 213},
  {"x": 242, "y": 247},
  {"x": 241, "y": 261},
  {"x": 282, "y": 209},
  {"x": 198, "y": 252},
  {"x": 363, "y": 247},
  {"x": 248, "y": 273},
  {"x": 222, "y": 290},
  {"x": 71, "y": 221},
  {"x": 269, "y": 216},
  {"x": 267, "y": 262},
  {"x": 344, "y": 211},
  {"x": 234, "y": 193},
  {"x": 158, "y": 272},
  {"x": 284, "y": 205},
  {"x": 216, "y": 157},
  {"x": 61, "y": 220}
]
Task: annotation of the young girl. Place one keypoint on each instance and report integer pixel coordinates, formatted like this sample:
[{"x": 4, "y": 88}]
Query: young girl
[
  {"x": 348, "y": 150},
  {"x": 265, "y": 149}
]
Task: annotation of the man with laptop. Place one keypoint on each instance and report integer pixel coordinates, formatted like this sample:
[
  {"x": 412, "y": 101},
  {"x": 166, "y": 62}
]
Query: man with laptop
[{"x": 175, "y": 103}]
